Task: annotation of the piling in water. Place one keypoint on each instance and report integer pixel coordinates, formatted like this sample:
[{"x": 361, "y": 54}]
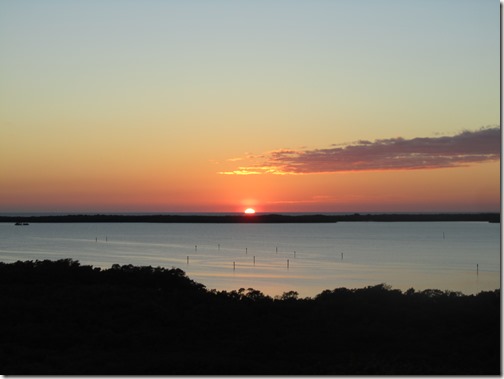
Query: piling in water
[
  {"x": 234, "y": 266},
  {"x": 287, "y": 263}
]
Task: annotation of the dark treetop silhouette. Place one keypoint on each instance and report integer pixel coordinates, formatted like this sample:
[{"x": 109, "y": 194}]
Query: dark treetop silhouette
[{"x": 59, "y": 317}]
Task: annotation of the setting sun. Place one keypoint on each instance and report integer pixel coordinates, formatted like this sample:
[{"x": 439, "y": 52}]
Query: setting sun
[{"x": 249, "y": 211}]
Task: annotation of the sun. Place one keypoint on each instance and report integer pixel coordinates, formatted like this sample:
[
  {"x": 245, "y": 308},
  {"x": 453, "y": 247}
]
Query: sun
[{"x": 250, "y": 211}]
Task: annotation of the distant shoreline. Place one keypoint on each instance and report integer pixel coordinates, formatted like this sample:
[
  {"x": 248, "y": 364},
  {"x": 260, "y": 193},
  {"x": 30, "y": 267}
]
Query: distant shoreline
[{"x": 257, "y": 218}]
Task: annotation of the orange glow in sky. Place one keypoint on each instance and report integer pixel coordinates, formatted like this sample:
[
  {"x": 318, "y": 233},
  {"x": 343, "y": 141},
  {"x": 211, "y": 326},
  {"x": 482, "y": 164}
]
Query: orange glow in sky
[{"x": 307, "y": 106}]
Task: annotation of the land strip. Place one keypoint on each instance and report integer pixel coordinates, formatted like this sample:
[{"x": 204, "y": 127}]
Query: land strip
[{"x": 257, "y": 218}]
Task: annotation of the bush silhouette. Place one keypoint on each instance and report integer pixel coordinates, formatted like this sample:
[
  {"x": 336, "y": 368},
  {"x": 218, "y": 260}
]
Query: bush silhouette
[{"x": 63, "y": 318}]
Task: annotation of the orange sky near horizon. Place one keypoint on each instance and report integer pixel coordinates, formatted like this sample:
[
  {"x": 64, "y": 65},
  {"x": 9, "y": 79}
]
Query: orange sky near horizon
[
  {"x": 327, "y": 106},
  {"x": 377, "y": 191}
]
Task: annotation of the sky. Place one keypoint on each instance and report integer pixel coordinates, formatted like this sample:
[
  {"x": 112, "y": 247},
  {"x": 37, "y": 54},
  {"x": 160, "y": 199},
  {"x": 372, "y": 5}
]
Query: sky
[{"x": 221, "y": 105}]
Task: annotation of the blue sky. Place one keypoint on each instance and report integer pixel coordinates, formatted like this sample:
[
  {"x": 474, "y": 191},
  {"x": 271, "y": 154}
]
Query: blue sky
[{"x": 181, "y": 87}]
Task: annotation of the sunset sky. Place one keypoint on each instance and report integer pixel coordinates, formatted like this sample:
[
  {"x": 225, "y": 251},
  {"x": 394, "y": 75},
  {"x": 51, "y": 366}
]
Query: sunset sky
[{"x": 221, "y": 105}]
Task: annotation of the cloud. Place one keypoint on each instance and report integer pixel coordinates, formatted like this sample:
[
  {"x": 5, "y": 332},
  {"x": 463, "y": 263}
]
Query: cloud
[
  {"x": 463, "y": 149},
  {"x": 313, "y": 199}
]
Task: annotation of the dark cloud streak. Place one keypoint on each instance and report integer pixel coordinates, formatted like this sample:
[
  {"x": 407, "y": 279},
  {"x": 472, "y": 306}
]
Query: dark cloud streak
[{"x": 462, "y": 149}]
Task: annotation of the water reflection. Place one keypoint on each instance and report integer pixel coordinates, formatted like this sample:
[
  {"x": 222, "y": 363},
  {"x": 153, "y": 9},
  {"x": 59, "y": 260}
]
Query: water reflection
[{"x": 274, "y": 258}]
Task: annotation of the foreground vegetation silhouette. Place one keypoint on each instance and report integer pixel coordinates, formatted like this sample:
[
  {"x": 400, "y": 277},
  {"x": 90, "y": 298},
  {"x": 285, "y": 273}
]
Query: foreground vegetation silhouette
[{"x": 60, "y": 317}]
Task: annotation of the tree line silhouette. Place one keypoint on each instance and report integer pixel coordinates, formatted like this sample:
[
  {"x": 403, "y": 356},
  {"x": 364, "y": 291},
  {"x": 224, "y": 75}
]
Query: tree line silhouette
[
  {"x": 61, "y": 317},
  {"x": 257, "y": 218}
]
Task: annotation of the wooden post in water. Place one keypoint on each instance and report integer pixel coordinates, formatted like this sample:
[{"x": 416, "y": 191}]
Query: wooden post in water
[
  {"x": 294, "y": 254},
  {"x": 254, "y": 260},
  {"x": 276, "y": 249},
  {"x": 477, "y": 269},
  {"x": 195, "y": 247},
  {"x": 96, "y": 239},
  {"x": 246, "y": 250},
  {"x": 106, "y": 239},
  {"x": 341, "y": 256},
  {"x": 234, "y": 266},
  {"x": 287, "y": 263}
]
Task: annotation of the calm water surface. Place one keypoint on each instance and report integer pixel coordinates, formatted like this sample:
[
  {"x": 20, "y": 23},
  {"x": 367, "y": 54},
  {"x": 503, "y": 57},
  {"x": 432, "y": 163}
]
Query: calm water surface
[{"x": 275, "y": 258}]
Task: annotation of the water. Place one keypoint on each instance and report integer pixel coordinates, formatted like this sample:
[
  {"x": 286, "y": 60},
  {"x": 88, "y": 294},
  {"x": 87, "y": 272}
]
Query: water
[{"x": 307, "y": 258}]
